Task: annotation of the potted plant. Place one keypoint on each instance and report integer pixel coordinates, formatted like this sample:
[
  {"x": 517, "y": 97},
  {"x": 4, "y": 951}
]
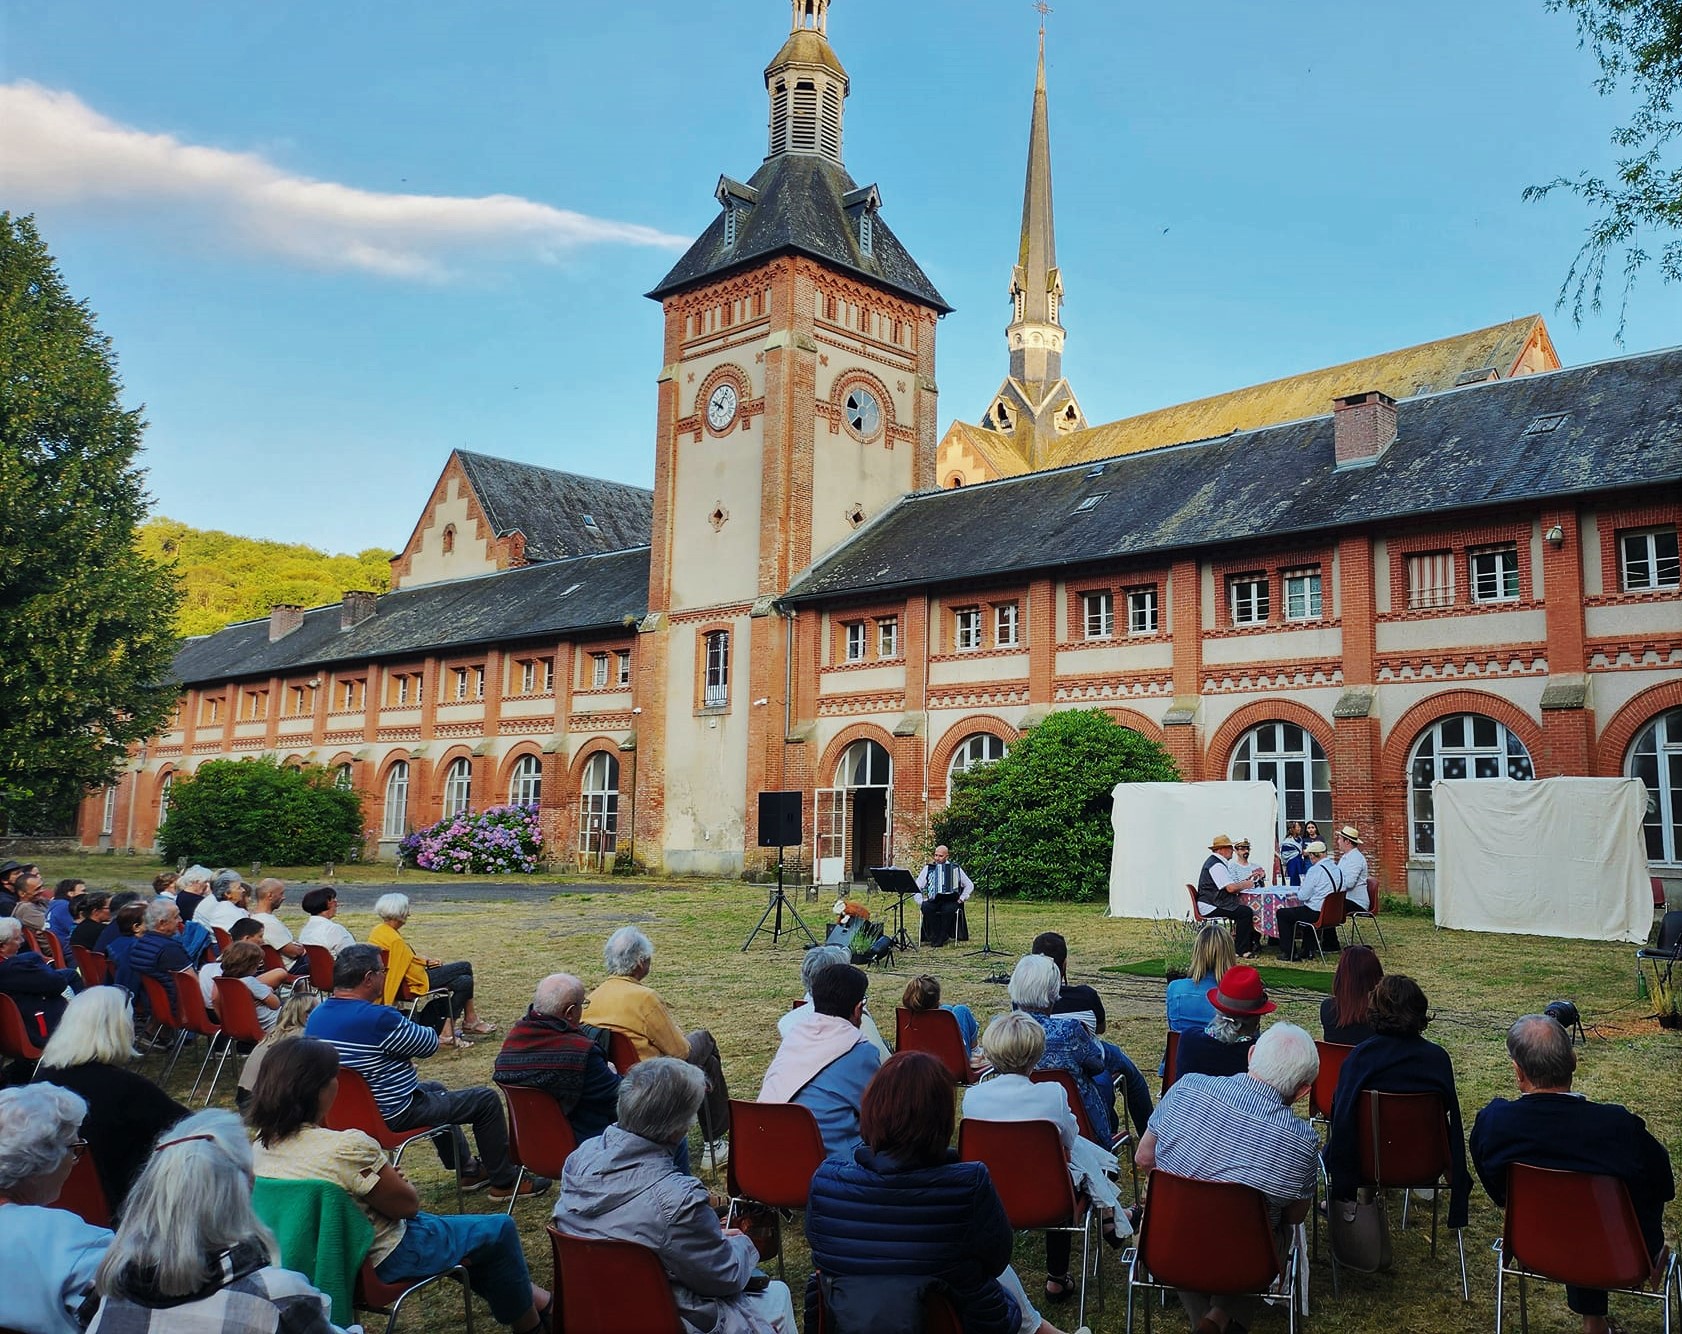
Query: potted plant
[{"x": 1667, "y": 1000}]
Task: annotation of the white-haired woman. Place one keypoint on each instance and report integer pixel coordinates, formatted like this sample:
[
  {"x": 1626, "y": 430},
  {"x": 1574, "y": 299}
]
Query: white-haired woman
[
  {"x": 453, "y": 1016},
  {"x": 1035, "y": 984},
  {"x": 35, "y": 986},
  {"x": 90, "y": 1055},
  {"x": 51, "y": 1254},
  {"x": 191, "y": 1254},
  {"x": 624, "y": 1186}
]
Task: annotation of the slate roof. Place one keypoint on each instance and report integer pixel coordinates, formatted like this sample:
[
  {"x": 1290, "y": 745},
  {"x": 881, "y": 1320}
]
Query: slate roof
[
  {"x": 550, "y": 506},
  {"x": 801, "y": 209},
  {"x": 1462, "y": 449},
  {"x": 559, "y": 597}
]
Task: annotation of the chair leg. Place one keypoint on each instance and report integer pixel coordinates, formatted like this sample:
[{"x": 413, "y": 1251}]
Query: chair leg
[
  {"x": 209, "y": 1051},
  {"x": 1465, "y": 1288},
  {"x": 515, "y": 1197},
  {"x": 1523, "y": 1307},
  {"x": 1436, "y": 1199}
]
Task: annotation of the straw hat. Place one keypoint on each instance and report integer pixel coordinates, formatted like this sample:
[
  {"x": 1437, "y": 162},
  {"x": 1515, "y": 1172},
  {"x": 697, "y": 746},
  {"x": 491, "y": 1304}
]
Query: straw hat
[
  {"x": 1240, "y": 993},
  {"x": 1315, "y": 849},
  {"x": 1351, "y": 833},
  {"x": 1218, "y": 842}
]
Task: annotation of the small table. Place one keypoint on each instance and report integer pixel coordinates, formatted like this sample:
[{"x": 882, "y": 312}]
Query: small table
[{"x": 1266, "y": 903}]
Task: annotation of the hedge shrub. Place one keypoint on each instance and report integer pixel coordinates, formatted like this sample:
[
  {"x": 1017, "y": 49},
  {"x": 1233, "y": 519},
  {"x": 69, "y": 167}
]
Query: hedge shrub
[{"x": 236, "y": 811}]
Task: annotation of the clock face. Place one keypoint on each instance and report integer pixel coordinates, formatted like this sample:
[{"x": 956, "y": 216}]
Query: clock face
[{"x": 721, "y": 407}]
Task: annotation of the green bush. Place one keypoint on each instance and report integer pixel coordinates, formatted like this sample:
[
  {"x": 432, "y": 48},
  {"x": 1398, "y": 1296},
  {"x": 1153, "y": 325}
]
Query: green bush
[
  {"x": 236, "y": 811},
  {"x": 1036, "y": 824}
]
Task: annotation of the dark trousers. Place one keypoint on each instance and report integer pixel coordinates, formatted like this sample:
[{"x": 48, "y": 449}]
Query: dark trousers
[
  {"x": 1288, "y": 919},
  {"x": 481, "y": 1108},
  {"x": 458, "y": 978},
  {"x": 714, "y": 1114},
  {"x": 1243, "y": 918},
  {"x": 1592, "y": 1301},
  {"x": 940, "y": 919}
]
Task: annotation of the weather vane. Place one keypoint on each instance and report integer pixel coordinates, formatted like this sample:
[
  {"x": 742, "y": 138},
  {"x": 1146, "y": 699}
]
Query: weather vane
[{"x": 1043, "y": 9}]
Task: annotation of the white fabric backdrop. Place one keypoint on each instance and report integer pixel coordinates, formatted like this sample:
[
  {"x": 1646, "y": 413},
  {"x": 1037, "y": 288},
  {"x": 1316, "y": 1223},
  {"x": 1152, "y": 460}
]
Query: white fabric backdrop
[
  {"x": 1555, "y": 857},
  {"x": 1162, "y": 833}
]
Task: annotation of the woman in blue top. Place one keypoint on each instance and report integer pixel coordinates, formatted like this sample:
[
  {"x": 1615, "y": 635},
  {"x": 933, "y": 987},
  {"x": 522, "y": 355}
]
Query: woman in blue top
[
  {"x": 1291, "y": 858},
  {"x": 1035, "y": 985},
  {"x": 1187, "y": 998}
]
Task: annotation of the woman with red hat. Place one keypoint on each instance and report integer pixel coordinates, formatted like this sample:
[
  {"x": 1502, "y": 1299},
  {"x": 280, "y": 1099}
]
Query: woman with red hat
[{"x": 1223, "y": 1046}]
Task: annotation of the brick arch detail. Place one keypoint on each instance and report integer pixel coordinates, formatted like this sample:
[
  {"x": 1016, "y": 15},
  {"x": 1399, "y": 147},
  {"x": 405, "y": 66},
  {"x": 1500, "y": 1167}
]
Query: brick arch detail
[
  {"x": 294, "y": 759},
  {"x": 1408, "y": 727},
  {"x": 874, "y": 383},
  {"x": 1134, "y": 721},
  {"x": 1628, "y": 721},
  {"x": 384, "y": 771},
  {"x": 824, "y": 775},
  {"x": 594, "y": 746},
  {"x": 941, "y": 756},
  {"x": 505, "y": 771},
  {"x": 341, "y": 758},
  {"x": 1229, "y": 733}
]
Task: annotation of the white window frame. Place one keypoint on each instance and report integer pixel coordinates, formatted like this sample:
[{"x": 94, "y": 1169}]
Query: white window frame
[
  {"x": 598, "y": 799},
  {"x": 403, "y": 688},
  {"x": 854, "y": 635},
  {"x": 525, "y": 784},
  {"x": 1007, "y": 625},
  {"x": 548, "y": 676},
  {"x": 887, "y": 637},
  {"x": 1504, "y": 571},
  {"x": 1142, "y": 613},
  {"x": 598, "y": 671},
  {"x": 461, "y": 682},
  {"x": 1287, "y": 755},
  {"x": 1303, "y": 600},
  {"x": 108, "y": 816},
  {"x": 1431, "y": 757},
  {"x": 342, "y": 778},
  {"x": 966, "y": 629},
  {"x": 973, "y": 751},
  {"x": 1663, "y": 570},
  {"x": 1097, "y": 614},
  {"x": 1249, "y": 598},
  {"x": 528, "y": 676},
  {"x": 396, "y": 822},
  {"x": 458, "y": 787},
  {"x": 715, "y": 683},
  {"x": 622, "y": 667},
  {"x": 478, "y": 682}
]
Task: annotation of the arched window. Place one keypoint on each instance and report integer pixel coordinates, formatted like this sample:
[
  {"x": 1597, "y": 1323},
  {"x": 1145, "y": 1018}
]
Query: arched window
[
  {"x": 458, "y": 787},
  {"x": 1464, "y": 745},
  {"x": 1288, "y": 756},
  {"x": 342, "y": 778},
  {"x": 1656, "y": 759},
  {"x": 164, "y": 785},
  {"x": 108, "y": 817},
  {"x": 526, "y": 787},
  {"x": 449, "y": 538},
  {"x": 397, "y": 800},
  {"x": 981, "y": 748},
  {"x": 598, "y": 809},
  {"x": 865, "y": 764}
]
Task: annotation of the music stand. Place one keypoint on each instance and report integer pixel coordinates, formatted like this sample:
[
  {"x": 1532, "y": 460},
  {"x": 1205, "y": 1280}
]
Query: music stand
[
  {"x": 779, "y": 901},
  {"x": 897, "y": 880}
]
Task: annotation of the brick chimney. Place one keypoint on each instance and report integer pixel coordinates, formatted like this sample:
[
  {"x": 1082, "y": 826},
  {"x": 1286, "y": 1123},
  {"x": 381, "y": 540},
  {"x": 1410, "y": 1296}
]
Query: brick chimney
[
  {"x": 283, "y": 620},
  {"x": 1363, "y": 425},
  {"x": 357, "y": 607}
]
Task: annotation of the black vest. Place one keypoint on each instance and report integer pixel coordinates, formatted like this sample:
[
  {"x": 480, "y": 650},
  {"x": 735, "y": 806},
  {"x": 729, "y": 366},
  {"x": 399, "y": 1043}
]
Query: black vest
[{"x": 1207, "y": 890}]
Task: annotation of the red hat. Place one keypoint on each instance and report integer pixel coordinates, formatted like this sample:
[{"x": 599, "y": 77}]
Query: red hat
[{"x": 1241, "y": 994}]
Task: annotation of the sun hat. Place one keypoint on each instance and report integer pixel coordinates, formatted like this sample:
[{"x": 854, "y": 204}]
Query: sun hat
[
  {"x": 1219, "y": 841},
  {"x": 1351, "y": 833},
  {"x": 1315, "y": 847},
  {"x": 1240, "y": 993}
]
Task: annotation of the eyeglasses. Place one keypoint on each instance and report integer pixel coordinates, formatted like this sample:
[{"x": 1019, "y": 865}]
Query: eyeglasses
[{"x": 77, "y": 1148}]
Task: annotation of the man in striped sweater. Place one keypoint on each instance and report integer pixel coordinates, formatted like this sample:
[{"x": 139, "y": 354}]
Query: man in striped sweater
[{"x": 378, "y": 1043}]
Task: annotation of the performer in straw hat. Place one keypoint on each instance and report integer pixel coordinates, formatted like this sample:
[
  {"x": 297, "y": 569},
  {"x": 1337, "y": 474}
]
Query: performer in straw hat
[{"x": 1216, "y": 896}]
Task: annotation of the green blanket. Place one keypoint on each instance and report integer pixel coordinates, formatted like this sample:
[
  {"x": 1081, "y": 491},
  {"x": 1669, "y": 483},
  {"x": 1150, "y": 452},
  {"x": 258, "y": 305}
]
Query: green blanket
[{"x": 322, "y": 1234}]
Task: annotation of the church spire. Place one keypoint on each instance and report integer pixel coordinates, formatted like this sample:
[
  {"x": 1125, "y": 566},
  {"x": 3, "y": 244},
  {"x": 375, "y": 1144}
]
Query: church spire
[
  {"x": 1036, "y": 334},
  {"x": 808, "y": 86}
]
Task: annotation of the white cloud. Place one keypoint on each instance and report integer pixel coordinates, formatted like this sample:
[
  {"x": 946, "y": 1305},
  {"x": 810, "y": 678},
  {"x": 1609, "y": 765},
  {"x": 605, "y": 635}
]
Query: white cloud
[{"x": 55, "y": 149}]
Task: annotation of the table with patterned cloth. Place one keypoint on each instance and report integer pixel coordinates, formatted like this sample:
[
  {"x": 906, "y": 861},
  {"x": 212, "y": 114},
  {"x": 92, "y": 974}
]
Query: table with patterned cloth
[{"x": 1266, "y": 903}]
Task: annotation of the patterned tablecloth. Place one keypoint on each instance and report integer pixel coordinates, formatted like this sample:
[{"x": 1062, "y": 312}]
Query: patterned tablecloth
[{"x": 1266, "y": 903}]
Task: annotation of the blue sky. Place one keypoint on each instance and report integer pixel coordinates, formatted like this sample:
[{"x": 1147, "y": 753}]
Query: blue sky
[{"x": 331, "y": 243}]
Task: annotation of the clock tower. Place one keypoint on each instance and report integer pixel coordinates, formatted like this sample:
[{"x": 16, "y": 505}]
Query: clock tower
[{"x": 796, "y": 401}]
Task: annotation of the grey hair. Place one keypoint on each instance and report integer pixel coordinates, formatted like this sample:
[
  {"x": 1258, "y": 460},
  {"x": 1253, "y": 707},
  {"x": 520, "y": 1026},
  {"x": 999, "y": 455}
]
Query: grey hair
[
  {"x": 1285, "y": 1059},
  {"x": 193, "y": 875},
  {"x": 1036, "y": 982},
  {"x": 1541, "y": 1048},
  {"x": 816, "y": 960},
  {"x": 191, "y": 1203},
  {"x": 1228, "y": 1028},
  {"x": 97, "y": 1027},
  {"x": 38, "y": 1123},
  {"x": 658, "y": 1099},
  {"x": 159, "y": 911},
  {"x": 392, "y": 907},
  {"x": 555, "y": 992},
  {"x": 626, "y": 948},
  {"x": 10, "y": 929},
  {"x": 224, "y": 881},
  {"x": 1014, "y": 1043}
]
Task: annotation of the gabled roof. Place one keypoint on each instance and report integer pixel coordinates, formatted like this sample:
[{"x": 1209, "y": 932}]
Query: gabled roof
[
  {"x": 1463, "y": 449},
  {"x": 801, "y": 210},
  {"x": 585, "y": 593},
  {"x": 550, "y": 507}
]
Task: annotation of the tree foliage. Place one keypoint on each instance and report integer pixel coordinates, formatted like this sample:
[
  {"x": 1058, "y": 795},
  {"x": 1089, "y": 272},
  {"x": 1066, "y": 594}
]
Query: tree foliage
[
  {"x": 225, "y": 578},
  {"x": 1638, "y": 45},
  {"x": 1036, "y": 824},
  {"x": 86, "y": 620},
  {"x": 236, "y": 811}
]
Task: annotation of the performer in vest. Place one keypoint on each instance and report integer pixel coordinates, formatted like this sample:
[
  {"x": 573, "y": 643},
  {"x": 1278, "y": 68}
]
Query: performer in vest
[
  {"x": 1215, "y": 896},
  {"x": 944, "y": 886}
]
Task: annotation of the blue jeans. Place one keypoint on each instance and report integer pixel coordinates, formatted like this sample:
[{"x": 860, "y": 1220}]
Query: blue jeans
[
  {"x": 488, "y": 1244},
  {"x": 967, "y": 1027},
  {"x": 1135, "y": 1090}
]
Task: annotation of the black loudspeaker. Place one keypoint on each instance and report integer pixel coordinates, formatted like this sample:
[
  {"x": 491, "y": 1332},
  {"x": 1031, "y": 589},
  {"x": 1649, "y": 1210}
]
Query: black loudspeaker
[{"x": 779, "y": 820}]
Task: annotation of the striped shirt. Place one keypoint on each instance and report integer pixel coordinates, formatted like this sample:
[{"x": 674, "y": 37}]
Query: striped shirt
[
  {"x": 378, "y": 1043},
  {"x": 1234, "y": 1128}
]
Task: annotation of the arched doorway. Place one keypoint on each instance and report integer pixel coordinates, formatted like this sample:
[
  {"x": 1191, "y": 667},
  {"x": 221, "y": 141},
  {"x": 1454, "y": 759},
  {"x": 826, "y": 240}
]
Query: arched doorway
[
  {"x": 1288, "y": 756},
  {"x": 854, "y": 824},
  {"x": 598, "y": 811}
]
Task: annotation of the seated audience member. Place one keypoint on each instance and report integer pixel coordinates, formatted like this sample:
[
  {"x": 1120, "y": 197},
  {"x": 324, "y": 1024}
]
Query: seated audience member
[
  {"x": 1014, "y": 1044},
  {"x": 1319, "y": 883},
  {"x": 90, "y": 1055},
  {"x": 61, "y": 916},
  {"x": 825, "y": 1063},
  {"x": 243, "y": 961},
  {"x": 156, "y": 952},
  {"x": 32, "y": 896},
  {"x": 95, "y": 912},
  {"x": 623, "y": 1185},
  {"x": 923, "y": 993},
  {"x": 120, "y": 900},
  {"x": 1079, "y": 1001},
  {"x": 1186, "y": 998},
  {"x": 813, "y": 962},
  {"x": 1241, "y": 1128},
  {"x": 51, "y": 1254},
  {"x": 322, "y": 906},
  {"x": 246, "y": 929},
  {"x": 625, "y": 1004},
  {"x": 1395, "y": 1059},
  {"x": 1035, "y": 984},
  {"x": 443, "y": 1013},
  {"x": 192, "y": 890},
  {"x": 9, "y": 871},
  {"x": 270, "y": 894},
  {"x": 1217, "y": 894},
  {"x": 1222, "y": 1047},
  {"x": 379, "y": 1044},
  {"x": 1343, "y": 1014},
  {"x": 229, "y": 896},
  {"x": 1352, "y": 862},
  {"x": 128, "y": 926},
  {"x": 1548, "y": 1125},
  {"x": 546, "y": 1049},
  {"x": 190, "y": 1253},
  {"x": 32, "y": 982},
  {"x": 948, "y": 1223},
  {"x": 163, "y": 884},
  {"x": 289, "y": 1023},
  {"x": 292, "y": 1098}
]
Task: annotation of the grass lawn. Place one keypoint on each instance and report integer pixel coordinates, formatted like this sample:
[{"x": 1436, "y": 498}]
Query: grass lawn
[{"x": 1477, "y": 984}]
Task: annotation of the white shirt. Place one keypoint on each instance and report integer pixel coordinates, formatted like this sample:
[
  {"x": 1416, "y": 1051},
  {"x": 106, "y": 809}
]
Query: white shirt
[
  {"x": 325, "y": 931},
  {"x": 219, "y": 912},
  {"x": 947, "y": 876},
  {"x": 275, "y": 932},
  {"x": 1353, "y": 864},
  {"x": 1318, "y": 881}
]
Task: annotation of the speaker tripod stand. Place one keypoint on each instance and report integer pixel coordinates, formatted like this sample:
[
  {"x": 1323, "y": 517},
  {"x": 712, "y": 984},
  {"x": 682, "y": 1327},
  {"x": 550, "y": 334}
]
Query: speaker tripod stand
[
  {"x": 987, "y": 949},
  {"x": 779, "y": 901}
]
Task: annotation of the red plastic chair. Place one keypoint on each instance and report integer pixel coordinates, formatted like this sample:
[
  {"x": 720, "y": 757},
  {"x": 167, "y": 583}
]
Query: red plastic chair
[
  {"x": 355, "y": 1109},
  {"x": 609, "y": 1287},
  {"x": 1199, "y": 916},
  {"x": 1323, "y": 1090},
  {"x": 1175, "y": 1247},
  {"x": 223, "y": 940},
  {"x": 935, "y": 1032},
  {"x": 1171, "y": 1059},
  {"x": 273, "y": 958},
  {"x": 540, "y": 1138},
  {"x": 374, "y": 1294},
  {"x": 1371, "y": 914},
  {"x": 407, "y": 995},
  {"x": 83, "y": 1195},
  {"x": 321, "y": 968},
  {"x": 47, "y": 944},
  {"x": 1071, "y": 1092},
  {"x": 1333, "y": 913},
  {"x": 194, "y": 1017},
  {"x": 236, "y": 1007},
  {"x": 775, "y": 1147},
  {"x": 16, "y": 1041},
  {"x": 91, "y": 964},
  {"x": 621, "y": 1051},
  {"x": 167, "y": 1012},
  {"x": 1602, "y": 1248},
  {"x": 1030, "y": 1171},
  {"x": 1404, "y": 1146}
]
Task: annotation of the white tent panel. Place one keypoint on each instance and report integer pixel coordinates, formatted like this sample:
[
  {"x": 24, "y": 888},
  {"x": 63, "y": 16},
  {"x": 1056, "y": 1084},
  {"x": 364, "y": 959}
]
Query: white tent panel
[
  {"x": 1555, "y": 857},
  {"x": 1162, "y": 833}
]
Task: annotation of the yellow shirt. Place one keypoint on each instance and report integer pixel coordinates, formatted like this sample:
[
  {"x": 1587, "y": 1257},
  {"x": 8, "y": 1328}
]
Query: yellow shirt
[
  {"x": 404, "y": 966},
  {"x": 639, "y": 1013},
  {"x": 347, "y": 1158}
]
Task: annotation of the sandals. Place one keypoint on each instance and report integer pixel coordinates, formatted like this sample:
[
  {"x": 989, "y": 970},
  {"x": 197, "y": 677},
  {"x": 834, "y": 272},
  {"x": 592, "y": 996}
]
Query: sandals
[
  {"x": 458, "y": 1042},
  {"x": 1059, "y": 1287},
  {"x": 480, "y": 1026}
]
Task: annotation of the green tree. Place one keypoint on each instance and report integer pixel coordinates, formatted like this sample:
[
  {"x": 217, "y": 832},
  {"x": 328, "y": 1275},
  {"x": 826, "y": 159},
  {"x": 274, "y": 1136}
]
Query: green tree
[
  {"x": 236, "y": 811},
  {"x": 86, "y": 621},
  {"x": 1638, "y": 45},
  {"x": 1036, "y": 824}
]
